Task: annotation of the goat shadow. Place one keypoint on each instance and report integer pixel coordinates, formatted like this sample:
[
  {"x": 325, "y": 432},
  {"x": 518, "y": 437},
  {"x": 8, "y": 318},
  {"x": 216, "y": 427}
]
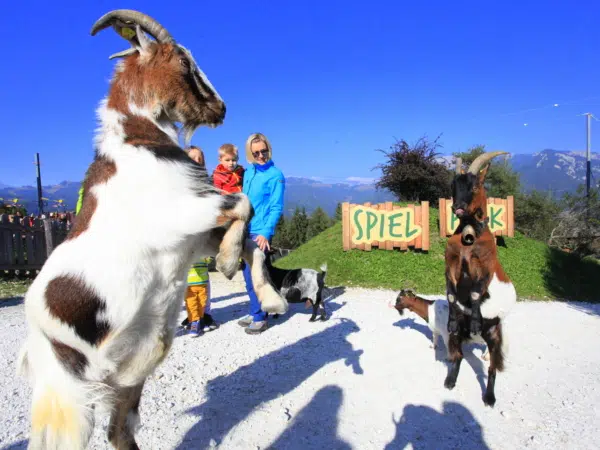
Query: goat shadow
[
  {"x": 441, "y": 351},
  {"x": 20, "y": 445},
  {"x": 232, "y": 398},
  {"x": 11, "y": 301},
  {"x": 316, "y": 424},
  {"x": 423, "y": 428}
]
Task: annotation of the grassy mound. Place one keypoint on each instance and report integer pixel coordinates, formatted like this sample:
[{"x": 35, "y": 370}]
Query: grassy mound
[{"x": 538, "y": 271}]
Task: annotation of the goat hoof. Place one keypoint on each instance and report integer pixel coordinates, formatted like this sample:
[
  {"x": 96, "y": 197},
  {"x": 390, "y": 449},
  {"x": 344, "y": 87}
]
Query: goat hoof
[
  {"x": 453, "y": 326},
  {"x": 449, "y": 383},
  {"x": 489, "y": 399}
]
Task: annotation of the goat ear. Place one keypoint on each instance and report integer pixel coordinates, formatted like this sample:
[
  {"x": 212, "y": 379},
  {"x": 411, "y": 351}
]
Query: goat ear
[{"x": 143, "y": 41}]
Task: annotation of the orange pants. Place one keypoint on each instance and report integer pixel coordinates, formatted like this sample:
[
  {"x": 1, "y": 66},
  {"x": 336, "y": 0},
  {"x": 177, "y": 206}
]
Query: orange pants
[{"x": 197, "y": 298}]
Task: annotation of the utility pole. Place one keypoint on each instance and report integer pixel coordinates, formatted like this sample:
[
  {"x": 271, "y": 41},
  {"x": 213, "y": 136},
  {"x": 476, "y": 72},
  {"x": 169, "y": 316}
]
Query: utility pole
[
  {"x": 588, "y": 171},
  {"x": 39, "y": 185}
]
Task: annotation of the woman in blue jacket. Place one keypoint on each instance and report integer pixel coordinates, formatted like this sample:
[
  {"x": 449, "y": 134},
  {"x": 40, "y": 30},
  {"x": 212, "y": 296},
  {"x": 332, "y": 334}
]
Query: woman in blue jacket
[{"x": 264, "y": 185}]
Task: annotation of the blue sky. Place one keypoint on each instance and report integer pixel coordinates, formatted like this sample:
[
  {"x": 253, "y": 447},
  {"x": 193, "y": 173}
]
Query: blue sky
[{"x": 329, "y": 82}]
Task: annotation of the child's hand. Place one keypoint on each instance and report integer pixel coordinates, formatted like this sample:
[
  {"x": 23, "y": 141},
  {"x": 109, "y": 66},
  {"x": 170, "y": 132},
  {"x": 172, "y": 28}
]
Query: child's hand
[
  {"x": 197, "y": 155},
  {"x": 262, "y": 243}
]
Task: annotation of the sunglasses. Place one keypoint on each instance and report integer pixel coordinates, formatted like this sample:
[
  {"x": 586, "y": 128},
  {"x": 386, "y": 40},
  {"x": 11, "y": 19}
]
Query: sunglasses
[{"x": 264, "y": 152}]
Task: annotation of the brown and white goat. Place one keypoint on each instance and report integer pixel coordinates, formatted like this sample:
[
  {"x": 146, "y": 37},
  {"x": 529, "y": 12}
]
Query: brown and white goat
[
  {"x": 479, "y": 292},
  {"x": 102, "y": 312},
  {"x": 434, "y": 312}
]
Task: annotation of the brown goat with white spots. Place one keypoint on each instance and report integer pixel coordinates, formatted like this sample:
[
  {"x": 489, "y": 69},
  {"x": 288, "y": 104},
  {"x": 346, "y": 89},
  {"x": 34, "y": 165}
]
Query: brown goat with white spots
[
  {"x": 102, "y": 312},
  {"x": 479, "y": 293}
]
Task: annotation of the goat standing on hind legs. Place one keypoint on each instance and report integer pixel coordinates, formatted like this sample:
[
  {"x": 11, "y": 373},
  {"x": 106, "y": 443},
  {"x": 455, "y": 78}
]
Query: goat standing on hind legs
[
  {"x": 479, "y": 293},
  {"x": 102, "y": 312}
]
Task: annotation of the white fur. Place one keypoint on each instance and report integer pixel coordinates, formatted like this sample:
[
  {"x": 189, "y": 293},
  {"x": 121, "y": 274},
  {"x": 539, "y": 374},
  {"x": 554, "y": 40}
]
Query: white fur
[
  {"x": 138, "y": 267},
  {"x": 502, "y": 298}
]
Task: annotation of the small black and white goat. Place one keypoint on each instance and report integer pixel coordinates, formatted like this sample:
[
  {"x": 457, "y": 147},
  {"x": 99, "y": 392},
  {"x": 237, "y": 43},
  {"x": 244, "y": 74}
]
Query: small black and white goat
[{"x": 300, "y": 285}]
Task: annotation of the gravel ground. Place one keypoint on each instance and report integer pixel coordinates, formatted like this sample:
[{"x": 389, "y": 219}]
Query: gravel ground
[{"x": 365, "y": 379}]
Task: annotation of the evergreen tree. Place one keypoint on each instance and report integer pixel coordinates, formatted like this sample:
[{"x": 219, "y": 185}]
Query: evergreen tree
[
  {"x": 281, "y": 238},
  {"x": 298, "y": 227},
  {"x": 338, "y": 213},
  {"x": 319, "y": 221}
]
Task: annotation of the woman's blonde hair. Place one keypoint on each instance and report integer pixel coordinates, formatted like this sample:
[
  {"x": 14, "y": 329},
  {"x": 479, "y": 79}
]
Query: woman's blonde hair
[{"x": 257, "y": 137}]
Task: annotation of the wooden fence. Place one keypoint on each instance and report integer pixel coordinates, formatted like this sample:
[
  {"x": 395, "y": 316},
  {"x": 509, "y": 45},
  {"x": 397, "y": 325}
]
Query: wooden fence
[
  {"x": 385, "y": 226},
  {"x": 26, "y": 248},
  {"x": 501, "y": 213}
]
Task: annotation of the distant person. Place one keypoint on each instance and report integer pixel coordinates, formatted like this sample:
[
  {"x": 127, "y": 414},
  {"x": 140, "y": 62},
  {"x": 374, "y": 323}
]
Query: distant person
[
  {"x": 197, "y": 294},
  {"x": 264, "y": 184}
]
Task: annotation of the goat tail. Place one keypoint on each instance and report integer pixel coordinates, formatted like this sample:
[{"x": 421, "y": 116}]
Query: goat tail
[
  {"x": 323, "y": 270},
  {"x": 62, "y": 414}
]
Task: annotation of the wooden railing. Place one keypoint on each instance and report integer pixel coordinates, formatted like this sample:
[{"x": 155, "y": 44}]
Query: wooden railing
[{"x": 25, "y": 247}]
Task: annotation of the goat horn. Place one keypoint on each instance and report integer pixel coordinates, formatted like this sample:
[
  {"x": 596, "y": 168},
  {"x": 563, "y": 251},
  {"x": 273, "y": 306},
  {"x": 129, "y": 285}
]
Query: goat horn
[
  {"x": 120, "y": 17},
  {"x": 481, "y": 160},
  {"x": 458, "y": 166}
]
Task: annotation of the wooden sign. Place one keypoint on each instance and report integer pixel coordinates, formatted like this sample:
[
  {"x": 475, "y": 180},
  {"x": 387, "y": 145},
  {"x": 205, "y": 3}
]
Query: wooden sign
[
  {"x": 499, "y": 211},
  {"x": 385, "y": 226}
]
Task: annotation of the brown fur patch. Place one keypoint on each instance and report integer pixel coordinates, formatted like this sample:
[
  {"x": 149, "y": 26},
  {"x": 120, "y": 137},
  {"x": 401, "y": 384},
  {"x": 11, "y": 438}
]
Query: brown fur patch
[
  {"x": 171, "y": 84},
  {"x": 141, "y": 131},
  {"x": 75, "y": 361},
  {"x": 71, "y": 301},
  {"x": 100, "y": 171}
]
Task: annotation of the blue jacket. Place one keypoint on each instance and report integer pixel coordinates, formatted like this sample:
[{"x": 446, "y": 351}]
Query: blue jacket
[{"x": 264, "y": 185}]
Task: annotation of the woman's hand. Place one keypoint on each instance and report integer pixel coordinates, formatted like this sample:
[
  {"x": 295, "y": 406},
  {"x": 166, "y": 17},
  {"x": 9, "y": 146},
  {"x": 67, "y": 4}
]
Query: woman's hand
[{"x": 262, "y": 242}]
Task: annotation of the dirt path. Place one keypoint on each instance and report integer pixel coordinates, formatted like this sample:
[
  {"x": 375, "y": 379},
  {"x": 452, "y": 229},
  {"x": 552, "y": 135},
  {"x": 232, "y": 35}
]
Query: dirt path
[{"x": 366, "y": 379}]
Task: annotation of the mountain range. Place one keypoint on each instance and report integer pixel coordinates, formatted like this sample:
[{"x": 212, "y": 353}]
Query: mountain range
[{"x": 559, "y": 171}]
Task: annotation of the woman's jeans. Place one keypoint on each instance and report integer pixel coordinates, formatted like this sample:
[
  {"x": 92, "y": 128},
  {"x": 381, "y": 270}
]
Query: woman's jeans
[{"x": 258, "y": 315}]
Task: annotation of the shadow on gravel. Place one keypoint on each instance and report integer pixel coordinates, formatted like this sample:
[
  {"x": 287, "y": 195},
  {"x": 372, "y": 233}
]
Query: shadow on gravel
[
  {"x": 232, "y": 398},
  {"x": 424, "y": 427},
  {"x": 316, "y": 425},
  {"x": 20, "y": 445},
  {"x": 11, "y": 301}
]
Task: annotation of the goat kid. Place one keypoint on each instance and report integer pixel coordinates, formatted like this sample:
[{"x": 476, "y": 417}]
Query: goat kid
[
  {"x": 434, "y": 312},
  {"x": 479, "y": 292},
  {"x": 102, "y": 312},
  {"x": 300, "y": 285}
]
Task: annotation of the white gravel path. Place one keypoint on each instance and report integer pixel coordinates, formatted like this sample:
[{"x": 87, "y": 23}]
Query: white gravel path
[{"x": 366, "y": 379}]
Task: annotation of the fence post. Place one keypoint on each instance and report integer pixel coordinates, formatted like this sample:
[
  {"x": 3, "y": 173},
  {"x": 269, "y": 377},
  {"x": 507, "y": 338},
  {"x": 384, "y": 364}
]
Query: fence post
[{"x": 49, "y": 237}]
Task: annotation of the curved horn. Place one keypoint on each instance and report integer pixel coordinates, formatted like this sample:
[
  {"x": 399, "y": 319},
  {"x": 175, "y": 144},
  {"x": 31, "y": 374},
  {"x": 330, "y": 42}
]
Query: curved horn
[
  {"x": 481, "y": 160},
  {"x": 458, "y": 166},
  {"x": 124, "y": 16}
]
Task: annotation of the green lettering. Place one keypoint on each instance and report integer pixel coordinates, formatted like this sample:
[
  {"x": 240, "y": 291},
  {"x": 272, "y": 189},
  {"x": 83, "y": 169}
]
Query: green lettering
[
  {"x": 409, "y": 232},
  {"x": 495, "y": 223},
  {"x": 381, "y": 224},
  {"x": 371, "y": 222},
  {"x": 393, "y": 225},
  {"x": 357, "y": 224},
  {"x": 453, "y": 221}
]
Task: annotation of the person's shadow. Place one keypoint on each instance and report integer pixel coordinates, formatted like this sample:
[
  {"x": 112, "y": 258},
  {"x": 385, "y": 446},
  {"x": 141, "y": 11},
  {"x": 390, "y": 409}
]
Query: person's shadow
[
  {"x": 425, "y": 428},
  {"x": 316, "y": 425},
  {"x": 233, "y": 397}
]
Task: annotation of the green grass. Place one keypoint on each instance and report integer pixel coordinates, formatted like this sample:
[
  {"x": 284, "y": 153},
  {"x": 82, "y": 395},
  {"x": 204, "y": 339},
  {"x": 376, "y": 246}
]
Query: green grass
[
  {"x": 10, "y": 288},
  {"x": 537, "y": 271}
]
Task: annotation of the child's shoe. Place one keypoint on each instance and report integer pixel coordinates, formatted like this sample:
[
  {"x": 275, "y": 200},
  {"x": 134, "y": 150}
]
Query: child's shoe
[
  {"x": 194, "y": 330},
  {"x": 207, "y": 323}
]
